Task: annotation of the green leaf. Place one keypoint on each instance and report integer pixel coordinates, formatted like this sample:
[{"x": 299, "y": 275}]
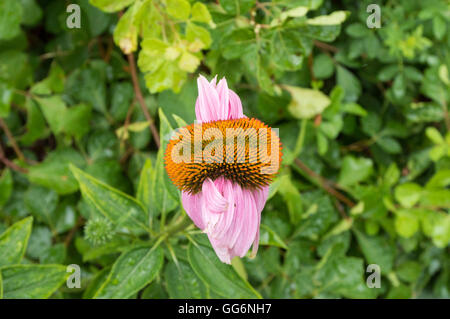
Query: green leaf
[
  {"x": 439, "y": 180},
  {"x": 76, "y": 120},
  {"x": 36, "y": 126},
  {"x": 32, "y": 281},
  {"x": 271, "y": 238},
  {"x": 439, "y": 27},
  {"x": 179, "y": 9},
  {"x": 40, "y": 241},
  {"x": 408, "y": 194},
  {"x": 434, "y": 135},
  {"x": 323, "y": 66},
  {"x": 182, "y": 282},
  {"x": 237, "y": 7},
  {"x": 409, "y": 271},
  {"x": 389, "y": 144},
  {"x": 6, "y": 186},
  {"x": 10, "y": 18},
  {"x": 14, "y": 241},
  {"x": 221, "y": 278},
  {"x": 377, "y": 250},
  {"x": 126, "y": 31},
  {"x": 54, "y": 110},
  {"x": 292, "y": 198},
  {"x": 337, "y": 17},
  {"x": 6, "y": 95},
  {"x": 306, "y": 103},
  {"x": 287, "y": 50},
  {"x": 350, "y": 83},
  {"x": 131, "y": 272},
  {"x": 197, "y": 33},
  {"x": 31, "y": 13},
  {"x": 54, "y": 171},
  {"x": 355, "y": 170},
  {"x": 238, "y": 43},
  {"x": 87, "y": 85},
  {"x": 44, "y": 207},
  {"x": 342, "y": 275},
  {"x": 406, "y": 223},
  {"x": 200, "y": 13},
  {"x": 111, "y": 5},
  {"x": 119, "y": 208}
]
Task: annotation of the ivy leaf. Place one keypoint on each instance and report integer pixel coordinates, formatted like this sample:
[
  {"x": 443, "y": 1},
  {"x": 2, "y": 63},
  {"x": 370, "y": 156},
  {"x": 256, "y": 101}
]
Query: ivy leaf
[
  {"x": 111, "y": 5},
  {"x": 54, "y": 171},
  {"x": 200, "y": 13},
  {"x": 350, "y": 83},
  {"x": 337, "y": 17},
  {"x": 377, "y": 250},
  {"x": 10, "y": 18},
  {"x": 306, "y": 103},
  {"x": 355, "y": 170},
  {"x": 179, "y": 9}
]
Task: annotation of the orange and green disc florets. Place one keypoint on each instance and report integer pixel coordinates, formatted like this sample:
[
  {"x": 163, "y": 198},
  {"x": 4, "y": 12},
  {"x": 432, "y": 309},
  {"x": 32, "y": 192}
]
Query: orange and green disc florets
[{"x": 245, "y": 151}]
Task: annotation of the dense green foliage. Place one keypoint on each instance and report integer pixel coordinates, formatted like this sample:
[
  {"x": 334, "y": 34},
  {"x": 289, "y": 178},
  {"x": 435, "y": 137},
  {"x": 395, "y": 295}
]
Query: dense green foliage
[{"x": 362, "y": 114}]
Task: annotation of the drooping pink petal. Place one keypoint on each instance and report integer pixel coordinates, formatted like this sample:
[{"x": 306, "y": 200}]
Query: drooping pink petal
[
  {"x": 260, "y": 196},
  {"x": 213, "y": 205},
  {"x": 192, "y": 206},
  {"x": 237, "y": 228}
]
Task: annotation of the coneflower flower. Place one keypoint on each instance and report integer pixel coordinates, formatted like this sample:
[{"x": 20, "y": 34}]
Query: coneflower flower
[{"x": 223, "y": 165}]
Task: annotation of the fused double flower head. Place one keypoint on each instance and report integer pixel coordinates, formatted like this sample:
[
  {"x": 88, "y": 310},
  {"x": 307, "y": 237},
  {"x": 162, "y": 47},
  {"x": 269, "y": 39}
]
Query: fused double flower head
[{"x": 223, "y": 165}]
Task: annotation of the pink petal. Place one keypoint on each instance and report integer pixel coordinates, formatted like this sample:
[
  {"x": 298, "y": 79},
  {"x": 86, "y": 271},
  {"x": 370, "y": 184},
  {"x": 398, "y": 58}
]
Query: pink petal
[
  {"x": 234, "y": 107},
  {"x": 213, "y": 204},
  {"x": 260, "y": 200},
  {"x": 216, "y": 102},
  {"x": 192, "y": 206},
  {"x": 223, "y": 92},
  {"x": 206, "y": 107}
]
